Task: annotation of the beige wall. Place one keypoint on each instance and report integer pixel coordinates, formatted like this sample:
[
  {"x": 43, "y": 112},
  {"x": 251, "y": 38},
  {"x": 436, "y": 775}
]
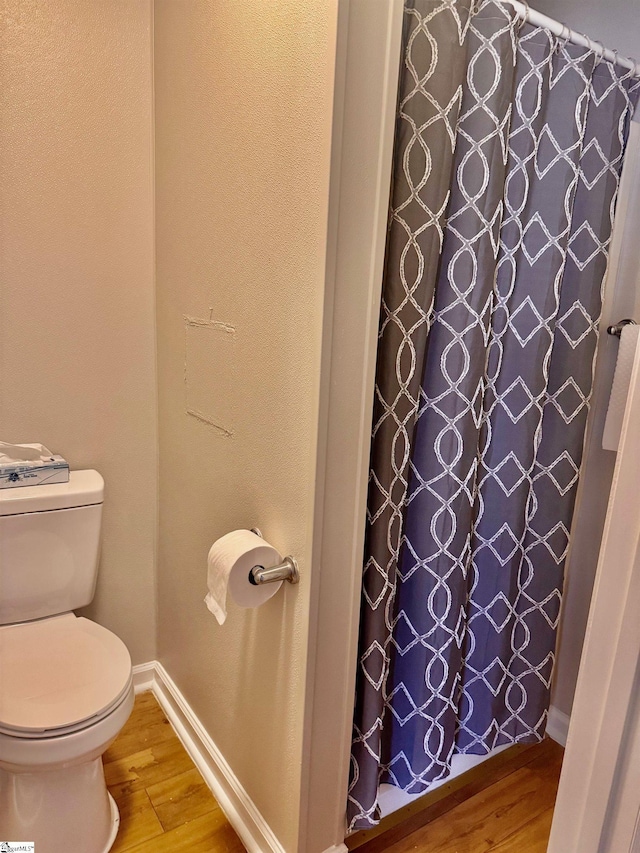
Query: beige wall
[
  {"x": 76, "y": 269},
  {"x": 243, "y": 123}
]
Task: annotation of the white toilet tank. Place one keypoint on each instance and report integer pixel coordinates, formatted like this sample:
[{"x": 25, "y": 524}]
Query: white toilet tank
[{"x": 49, "y": 547}]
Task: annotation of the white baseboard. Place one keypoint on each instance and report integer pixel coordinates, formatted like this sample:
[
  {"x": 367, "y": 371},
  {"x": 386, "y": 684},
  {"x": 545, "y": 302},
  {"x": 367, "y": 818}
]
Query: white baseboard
[
  {"x": 241, "y": 811},
  {"x": 144, "y": 677},
  {"x": 338, "y": 848},
  {"x": 558, "y": 725}
]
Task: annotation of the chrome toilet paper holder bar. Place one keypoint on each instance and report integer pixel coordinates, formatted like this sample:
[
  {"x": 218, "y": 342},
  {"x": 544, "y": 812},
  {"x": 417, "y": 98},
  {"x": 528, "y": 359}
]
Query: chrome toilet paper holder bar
[{"x": 286, "y": 571}]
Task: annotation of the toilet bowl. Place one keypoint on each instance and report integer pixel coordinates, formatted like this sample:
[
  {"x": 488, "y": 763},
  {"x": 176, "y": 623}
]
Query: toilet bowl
[
  {"x": 66, "y": 687},
  {"x": 66, "y": 693}
]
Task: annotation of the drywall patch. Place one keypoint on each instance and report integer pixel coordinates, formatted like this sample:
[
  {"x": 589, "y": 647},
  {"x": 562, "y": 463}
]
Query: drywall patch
[{"x": 210, "y": 372}]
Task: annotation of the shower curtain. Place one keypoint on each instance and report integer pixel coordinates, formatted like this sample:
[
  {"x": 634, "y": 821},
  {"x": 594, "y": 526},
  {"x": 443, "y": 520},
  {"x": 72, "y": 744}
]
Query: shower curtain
[{"x": 509, "y": 147}]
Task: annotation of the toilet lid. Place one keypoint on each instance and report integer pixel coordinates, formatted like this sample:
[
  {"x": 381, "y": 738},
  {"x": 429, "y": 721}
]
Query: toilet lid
[{"x": 59, "y": 672}]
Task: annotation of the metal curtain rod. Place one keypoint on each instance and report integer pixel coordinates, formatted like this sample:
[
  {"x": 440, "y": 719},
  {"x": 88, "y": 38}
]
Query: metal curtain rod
[{"x": 563, "y": 31}]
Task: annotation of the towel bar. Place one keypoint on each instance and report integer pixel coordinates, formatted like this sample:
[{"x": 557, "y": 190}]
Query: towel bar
[{"x": 616, "y": 329}]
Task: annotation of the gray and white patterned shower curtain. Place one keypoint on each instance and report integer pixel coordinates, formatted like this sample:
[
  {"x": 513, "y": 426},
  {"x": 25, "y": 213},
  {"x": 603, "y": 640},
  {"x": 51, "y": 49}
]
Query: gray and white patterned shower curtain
[{"x": 509, "y": 147}]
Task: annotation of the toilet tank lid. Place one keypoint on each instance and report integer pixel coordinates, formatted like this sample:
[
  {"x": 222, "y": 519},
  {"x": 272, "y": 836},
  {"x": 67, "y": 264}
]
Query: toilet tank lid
[{"x": 83, "y": 489}]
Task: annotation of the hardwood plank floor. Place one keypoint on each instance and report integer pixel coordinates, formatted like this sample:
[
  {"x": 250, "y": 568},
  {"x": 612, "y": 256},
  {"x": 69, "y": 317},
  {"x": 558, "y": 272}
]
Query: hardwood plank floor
[
  {"x": 165, "y": 806},
  {"x": 509, "y": 810},
  {"x": 163, "y": 801}
]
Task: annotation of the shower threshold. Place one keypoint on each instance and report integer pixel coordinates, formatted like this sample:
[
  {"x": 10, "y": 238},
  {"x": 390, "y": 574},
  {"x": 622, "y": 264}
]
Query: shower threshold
[
  {"x": 474, "y": 785},
  {"x": 390, "y": 798}
]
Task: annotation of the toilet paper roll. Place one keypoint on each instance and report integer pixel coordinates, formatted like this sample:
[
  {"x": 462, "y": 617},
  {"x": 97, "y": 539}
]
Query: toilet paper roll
[
  {"x": 231, "y": 558},
  {"x": 621, "y": 387}
]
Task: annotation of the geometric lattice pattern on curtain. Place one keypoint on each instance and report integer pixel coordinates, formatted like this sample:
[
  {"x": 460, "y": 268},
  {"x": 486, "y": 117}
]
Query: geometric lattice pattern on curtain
[{"x": 509, "y": 147}]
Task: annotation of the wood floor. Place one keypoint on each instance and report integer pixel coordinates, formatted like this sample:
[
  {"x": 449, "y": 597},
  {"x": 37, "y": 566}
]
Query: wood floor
[
  {"x": 506, "y": 807},
  {"x": 164, "y": 803},
  {"x": 165, "y": 806}
]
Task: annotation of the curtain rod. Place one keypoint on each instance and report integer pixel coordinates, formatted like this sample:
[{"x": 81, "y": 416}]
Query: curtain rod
[{"x": 563, "y": 31}]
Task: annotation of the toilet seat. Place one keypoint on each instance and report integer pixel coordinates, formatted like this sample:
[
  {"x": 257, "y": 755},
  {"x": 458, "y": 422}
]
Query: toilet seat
[{"x": 60, "y": 675}]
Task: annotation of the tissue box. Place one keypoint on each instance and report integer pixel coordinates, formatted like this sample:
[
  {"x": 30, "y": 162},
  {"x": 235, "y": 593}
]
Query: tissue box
[{"x": 55, "y": 469}]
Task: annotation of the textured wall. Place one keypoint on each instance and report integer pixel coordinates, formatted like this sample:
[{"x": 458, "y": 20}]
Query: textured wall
[
  {"x": 76, "y": 269},
  {"x": 243, "y": 122}
]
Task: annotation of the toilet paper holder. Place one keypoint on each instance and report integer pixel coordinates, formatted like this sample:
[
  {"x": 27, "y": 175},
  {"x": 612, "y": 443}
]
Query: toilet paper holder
[{"x": 286, "y": 571}]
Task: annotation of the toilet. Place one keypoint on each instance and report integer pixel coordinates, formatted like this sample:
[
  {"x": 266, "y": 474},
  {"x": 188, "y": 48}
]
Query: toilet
[{"x": 66, "y": 686}]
